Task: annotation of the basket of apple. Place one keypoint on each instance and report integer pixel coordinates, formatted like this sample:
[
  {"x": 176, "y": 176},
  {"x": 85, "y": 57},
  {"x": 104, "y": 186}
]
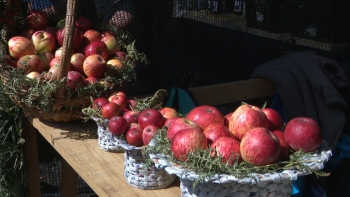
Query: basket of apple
[
  {"x": 52, "y": 68},
  {"x": 248, "y": 152},
  {"x": 128, "y": 124}
]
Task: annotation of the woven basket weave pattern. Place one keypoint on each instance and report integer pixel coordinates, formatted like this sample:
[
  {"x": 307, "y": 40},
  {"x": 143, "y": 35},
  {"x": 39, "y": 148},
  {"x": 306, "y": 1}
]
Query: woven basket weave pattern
[{"x": 106, "y": 140}]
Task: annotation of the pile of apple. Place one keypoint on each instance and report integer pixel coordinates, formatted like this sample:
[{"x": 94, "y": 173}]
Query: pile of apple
[
  {"x": 38, "y": 51},
  {"x": 256, "y": 135}
]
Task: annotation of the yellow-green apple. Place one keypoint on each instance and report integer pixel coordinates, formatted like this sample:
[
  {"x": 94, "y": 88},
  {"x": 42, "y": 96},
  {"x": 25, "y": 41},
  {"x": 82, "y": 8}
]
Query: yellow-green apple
[
  {"x": 74, "y": 80},
  {"x": 147, "y": 133},
  {"x": 303, "y": 133},
  {"x": 170, "y": 121},
  {"x": 59, "y": 50},
  {"x": 246, "y": 117},
  {"x": 61, "y": 24},
  {"x": 96, "y": 47},
  {"x": 99, "y": 102},
  {"x": 117, "y": 125},
  {"x": 77, "y": 61},
  {"x": 228, "y": 149},
  {"x": 112, "y": 44},
  {"x": 169, "y": 112},
  {"x": 37, "y": 19},
  {"x": 275, "y": 119},
  {"x": 150, "y": 117},
  {"x": 82, "y": 23},
  {"x": 109, "y": 110},
  {"x": 131, "y": 116},
  {"x": 113, "y": 67},
  {"x": 30, "y": 63},
  {"x": 77, "y": 38},
  {"x": 33, "y": 75},
  {"x": 46, "y": 57},
  {"x": 90, "y": 36},
  {"x": 94, "y": 66},
  {"x": 186, "y": 141},
  {"x": 205, "y": 115},
  {"x": 285, "y": 148},
  {"x": 134, "y": 137},
  {"x": 20, "y": 46},
  {"x": 260, "y": 146},
  {"x": 43, "y": 41},
  {"x": 27, "y": 33},
  {"x": 180, "y": 124},
  {"x": 216, "y": 130}
]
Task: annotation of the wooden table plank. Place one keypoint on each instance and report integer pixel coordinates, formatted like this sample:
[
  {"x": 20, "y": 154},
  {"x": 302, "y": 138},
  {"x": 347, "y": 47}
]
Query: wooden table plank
[{"x": 102, "y": 171}]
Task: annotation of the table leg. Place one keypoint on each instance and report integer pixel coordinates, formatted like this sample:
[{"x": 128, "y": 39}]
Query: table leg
[
  {"x": 69, "y": 180},
  {"x": 32, "y": 158}
]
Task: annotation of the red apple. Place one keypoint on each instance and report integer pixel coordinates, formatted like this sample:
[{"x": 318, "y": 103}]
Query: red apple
[
  {"x": 170, "y": 121},
  {"x": 228, "y": 148},
  {"x": 109, "y": 110},
  {"x": 132, "y": 103},
  {"x": 96, "y": 47},
  {"x": 119, "y": 93},
  {"x": 186, "y": 141},
  {"x": 90, "y": 80},
  {"x": 284, "y": 154},
  {"x": 303, "y": 133},
  {"x": 82, "y": 23},
  {"x": 112, "y": 44},
  {"x": 58, "y": 52},
  {"x": 52, "y": 73},
  {"x": 215, "y": 131},
  {"x": 275, "y": 119},
  {"x": 74, "y": 80},
  {"x": 246, "y": 117},
  {"x": 135, "y": 126},
  {"x": 121, "y": 100},
  {"x": 77, "y": 39},
  {"x": 37, "y": 20},
  {"x": 259, "y": 146},
  {"x": 27, "y": 33},
  {"x": 77, "y": 61},
  {"x": 94, "y": 66},
  {"x": 46, "y": 57},
  {"x": 90, "y": 36},
  {"x": 117, "y": 125},
  {"x": 131, "y": 116},
  {"x": 150, "y": 117},
  {"x": 147, "y": 133},
  {"x": 121, "y": 55},
  {"x": 20, "y": 46},
  {"x": 43, "y": 41},
  {"x": 205, "y": 115},
  {"x": 100, "y": 102},
  {"x": 134, "y": 137},
  {"x": 30, "y": 63},
  {"x": 169, "y": 112},
  {"x": 180, "y": 124},
  {"x": 227, "y": 119}
]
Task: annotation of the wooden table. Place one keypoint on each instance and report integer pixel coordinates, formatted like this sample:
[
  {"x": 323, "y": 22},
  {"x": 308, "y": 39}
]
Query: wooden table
[{"x": 102, "y": 171}]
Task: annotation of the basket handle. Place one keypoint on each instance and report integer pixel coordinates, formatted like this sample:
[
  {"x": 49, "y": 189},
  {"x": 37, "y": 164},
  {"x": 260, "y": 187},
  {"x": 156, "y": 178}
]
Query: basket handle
[{"x": 67, "y": 40}]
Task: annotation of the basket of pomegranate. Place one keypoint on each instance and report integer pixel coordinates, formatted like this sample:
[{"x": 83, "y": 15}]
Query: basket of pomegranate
[
  {"x": 248, "y": 152},
  {"x": 51, "y": 66},
  {"x": 126, "y": 124}
]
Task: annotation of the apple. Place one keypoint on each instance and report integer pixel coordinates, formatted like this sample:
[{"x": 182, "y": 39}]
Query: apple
[
  {"x": 147, "y": 133},
  {"x": 205, "y": 115},
  {"x": 90, "y": 80},
  {"x": 121, "y": 55},
  {"x": 100, "y": 102},
  {"x": 43, "y": 41},
  {"x": 115, "y": 93},
  {"x": 82, "y": 23},
  {"x": 74, "y": 80},
  {"x": 275, "y": 119},
  {"x": 132, "y": 104},
  {"x": 20, "y": 46},
  {"x": 27, "y": 33},
  {"x": 96, "y": 47},
  {"x": 186, "y": 141},
  {"x": 33, "y": 75},
  {"x": 303, "y": 133},
  {"x": 180, "y": 124},
  {"x": 109, "y": 110},
  {"x": 135, "y": 125},
  {"x": 169, "y": 112},
  {"x": 46, "y": 57},
  {"x": 260, "y": 146},
  {"x": 94, "y": 66},
  {"x": 52, "y": 73},
  {"x": 113, "y": 66},
  {"x": 246, "y": 117},
  {"x": 58, "y": 52},
  {"x": 61, "y": 24},
  {"x": 107, "y": 33},
  {"x": 117, "y": 125},
  {"x": 90, "y": 36},
  {"x": 131, "y": 116},
  {"x": 112, "y": 44},
  {"x": 285, "y": 148},
  {"x": 134, "y": 137},
  {"x": 30, "y": 63},
  {"x": 150, "y": 117},
  {"x": 37, "y": 19},
  {"x": 170, "y": 121},
  {"x": 121, "y": 100},
  {"x": 228, "y": 149},
  {"x": 77, "y": 61},
  {"x": 215, "y": 131},
  {"x": 227, "y": 119},
  {"x": 77, "y": 39}
]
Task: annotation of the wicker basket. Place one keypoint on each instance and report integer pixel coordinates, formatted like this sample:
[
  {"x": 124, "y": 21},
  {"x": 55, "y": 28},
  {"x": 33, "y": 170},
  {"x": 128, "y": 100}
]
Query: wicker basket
[{"x": 106, "y": 140}]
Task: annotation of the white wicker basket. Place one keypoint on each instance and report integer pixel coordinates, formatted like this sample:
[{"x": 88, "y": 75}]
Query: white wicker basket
[{"x": 106, "y": 140}]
